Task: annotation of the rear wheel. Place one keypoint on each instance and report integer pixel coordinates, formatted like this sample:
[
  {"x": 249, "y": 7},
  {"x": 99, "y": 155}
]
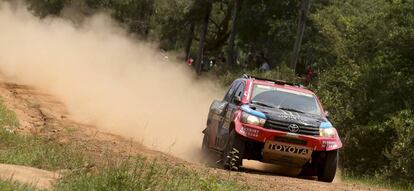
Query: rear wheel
[
  {"x": 233, "y": 153},
  {"x": 327, "y": 170}
]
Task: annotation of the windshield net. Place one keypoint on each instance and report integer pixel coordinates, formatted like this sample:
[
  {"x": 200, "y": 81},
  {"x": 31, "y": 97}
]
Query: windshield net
[{"x": 285, "y": 99}]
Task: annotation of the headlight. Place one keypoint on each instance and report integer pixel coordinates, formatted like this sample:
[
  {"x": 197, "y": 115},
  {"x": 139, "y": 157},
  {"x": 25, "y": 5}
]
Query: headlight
[
  {"x": 327, "y": 132},
  {"x": 251, "y": 119}
]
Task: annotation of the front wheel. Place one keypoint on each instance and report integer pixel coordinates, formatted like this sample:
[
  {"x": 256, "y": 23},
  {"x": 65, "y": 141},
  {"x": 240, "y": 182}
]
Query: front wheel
[
  {"x": 233, "y": 153},
  {"x": 206, "y": 155},
  {"x": 327, "y": 170},
  {"x": 204, "y": 145}
]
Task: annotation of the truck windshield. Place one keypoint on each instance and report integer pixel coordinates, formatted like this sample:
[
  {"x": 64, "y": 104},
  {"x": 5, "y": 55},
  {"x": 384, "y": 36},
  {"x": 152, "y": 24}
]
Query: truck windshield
[{"x": 285, "y": 99}]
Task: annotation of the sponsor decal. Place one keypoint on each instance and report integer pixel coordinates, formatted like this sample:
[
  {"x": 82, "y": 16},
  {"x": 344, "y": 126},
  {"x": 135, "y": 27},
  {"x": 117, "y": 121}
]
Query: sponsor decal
[
  {"x": 290, "y": 117},
  {"x": 271, "y": 88},
  {"x": 288, "y": 149},
  {"x": 250, "y": 132},
  {"x": 292, "y": 134},
  {"x": 266, "y": 87},
  {"x": 294, "y": 92},
  {"x": 329, "y": 144}
]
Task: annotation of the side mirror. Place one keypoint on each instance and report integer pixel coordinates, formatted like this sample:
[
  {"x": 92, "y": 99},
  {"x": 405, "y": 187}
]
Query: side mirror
[
  {"x": 326, "y": 114},
  {"x": 237, "y": 100}
]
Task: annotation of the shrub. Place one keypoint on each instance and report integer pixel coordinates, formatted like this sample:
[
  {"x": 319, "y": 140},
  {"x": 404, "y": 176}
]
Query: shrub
[{"x": 143, "y": 174}]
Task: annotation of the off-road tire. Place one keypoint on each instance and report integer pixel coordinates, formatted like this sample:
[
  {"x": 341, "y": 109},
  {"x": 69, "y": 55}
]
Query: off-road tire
[
  {"x": 208, "y": 157},
  {"x": 204, "y": 144},
  {"x": 327, "y": 170},
  {"x": 234, "y": 143}
]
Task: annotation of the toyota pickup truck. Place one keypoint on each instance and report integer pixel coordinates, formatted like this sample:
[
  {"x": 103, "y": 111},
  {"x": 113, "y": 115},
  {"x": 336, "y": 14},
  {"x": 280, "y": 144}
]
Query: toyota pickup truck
[{"x": 275, "y": 122}]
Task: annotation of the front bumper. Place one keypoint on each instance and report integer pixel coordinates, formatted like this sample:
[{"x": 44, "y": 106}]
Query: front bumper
[{"x": 260, "y": 134}]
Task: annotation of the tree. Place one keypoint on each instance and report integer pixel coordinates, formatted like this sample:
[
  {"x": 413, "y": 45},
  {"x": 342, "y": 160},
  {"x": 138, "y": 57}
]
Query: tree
[
  {"x": 232, "y": 37},
  {"x": 44, "y": 8},
  {"x": 303, "y": 13},
  {"x": 200, "y": 54},
  {"x": 369, "y": 86},
  {"x": 193, "y": 18},
  {"x": 267, "y": 27},
  {"x": 189, "y": 42}
]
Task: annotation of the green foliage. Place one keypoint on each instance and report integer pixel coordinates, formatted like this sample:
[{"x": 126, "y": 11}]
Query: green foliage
[
  {"x": 375, "y": 183},
  {"x": 175, "y": 18},
  {"x": 46, "y": 7},
  {"x": 400, "y": 153},
  {"x": 135, "y": 14},
  {"x": 368, "y": 87},
  {"x": 282, "y": 72},
  {"x": 8, "y": 119},
  {"x": 268, "y": 27},
  {"x": 38, "y": 152},
  {"x": 142, "y": 174}
]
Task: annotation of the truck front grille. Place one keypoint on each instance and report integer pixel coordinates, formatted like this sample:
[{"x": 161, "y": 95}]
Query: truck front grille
[{"x": 284, "y": 126}]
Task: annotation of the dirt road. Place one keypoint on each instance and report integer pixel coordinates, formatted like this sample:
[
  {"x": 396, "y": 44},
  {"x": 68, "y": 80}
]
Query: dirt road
[{"x": 44, "y": 115}]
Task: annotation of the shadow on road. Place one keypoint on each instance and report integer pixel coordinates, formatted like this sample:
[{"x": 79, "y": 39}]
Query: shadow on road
[{"x": 256, "y": 167}]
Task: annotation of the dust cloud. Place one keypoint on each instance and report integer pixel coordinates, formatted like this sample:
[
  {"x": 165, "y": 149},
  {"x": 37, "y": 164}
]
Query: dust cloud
[{"x": 107, "y": 78}]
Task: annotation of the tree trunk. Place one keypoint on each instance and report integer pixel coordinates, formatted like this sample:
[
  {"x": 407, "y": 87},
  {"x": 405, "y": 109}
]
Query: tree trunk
[
  {"x": 199, "y": 60},
  {"x": 303, "y": 13},
  {"x": 232, "y": 37},
  {"x": 189, "y": 41}
]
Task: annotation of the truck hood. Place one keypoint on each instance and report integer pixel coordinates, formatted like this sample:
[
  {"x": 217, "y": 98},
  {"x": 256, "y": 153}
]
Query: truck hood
[{"x": 291, "y": 117}]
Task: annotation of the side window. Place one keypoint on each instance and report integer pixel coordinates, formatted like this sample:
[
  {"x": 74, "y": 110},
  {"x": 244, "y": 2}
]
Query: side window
[
  {"x": 239, "y": 92},
  {"x": 228, "y": 97}
]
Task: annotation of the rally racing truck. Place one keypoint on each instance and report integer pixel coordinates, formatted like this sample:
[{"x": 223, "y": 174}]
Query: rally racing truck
[{"x": 272, "y": 121}]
